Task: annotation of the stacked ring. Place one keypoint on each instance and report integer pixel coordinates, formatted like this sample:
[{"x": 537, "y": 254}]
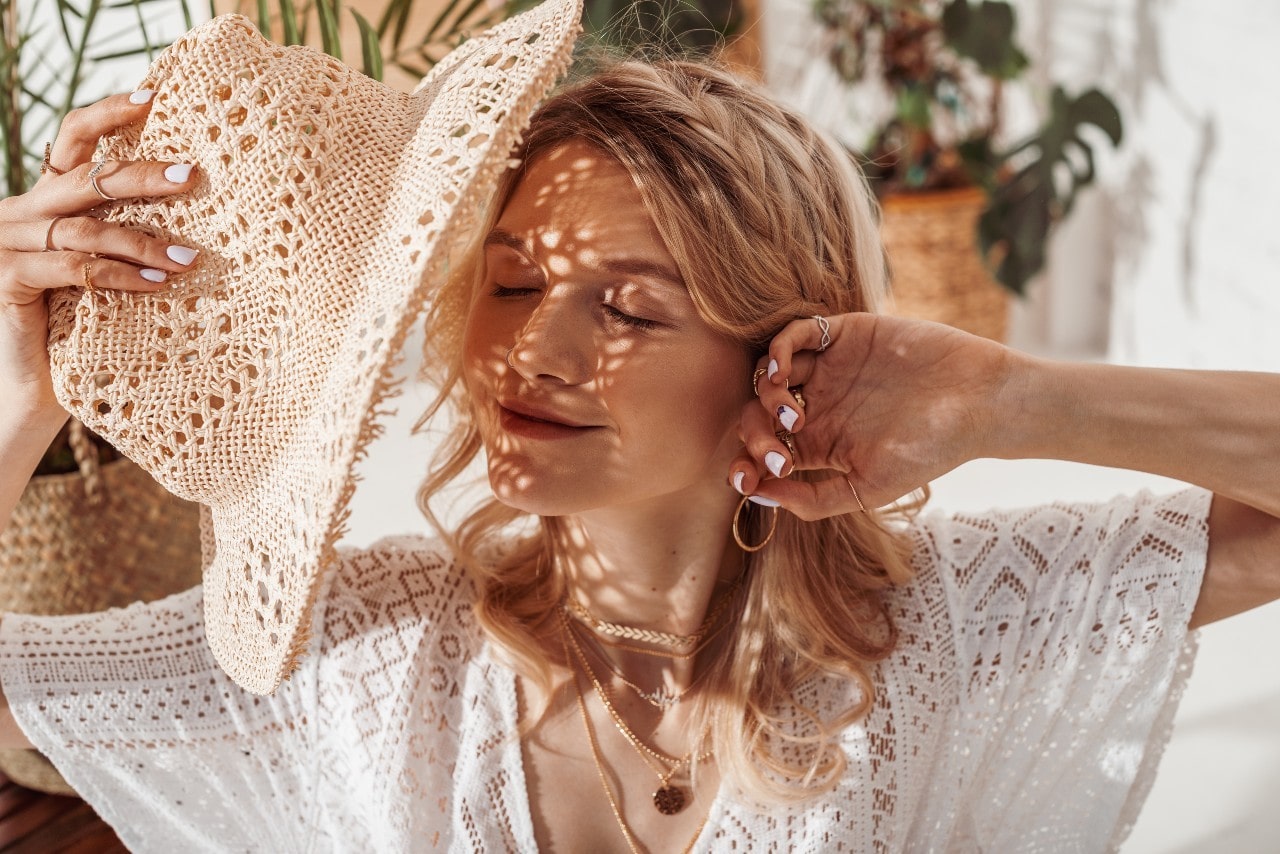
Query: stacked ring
[
  {"x": 88, "y": 278},
  {"x": 45, "y": 165}
]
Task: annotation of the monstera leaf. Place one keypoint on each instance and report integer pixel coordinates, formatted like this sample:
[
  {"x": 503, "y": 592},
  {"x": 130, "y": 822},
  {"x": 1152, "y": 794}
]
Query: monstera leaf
[{"x": 1058, "y": 163}]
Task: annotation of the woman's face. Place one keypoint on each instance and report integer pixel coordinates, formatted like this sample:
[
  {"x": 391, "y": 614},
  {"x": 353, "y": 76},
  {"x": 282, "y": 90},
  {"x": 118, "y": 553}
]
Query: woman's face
[{"x": 617, "y": 391}]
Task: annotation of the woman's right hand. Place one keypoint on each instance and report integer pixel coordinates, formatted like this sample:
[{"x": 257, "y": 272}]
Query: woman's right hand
[{"x": 119, "y": 258}]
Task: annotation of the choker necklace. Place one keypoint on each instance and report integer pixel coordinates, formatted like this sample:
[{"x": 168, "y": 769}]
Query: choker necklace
[
  {"x": 657, "y": 638},
  {"x": 604, "y": 781},
  {"x": 668, "y": 799},
  {"x": 662, "y": 697}
]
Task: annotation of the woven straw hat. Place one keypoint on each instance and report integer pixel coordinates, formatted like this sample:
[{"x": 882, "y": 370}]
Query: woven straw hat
[{"x": 326, "y": 206}]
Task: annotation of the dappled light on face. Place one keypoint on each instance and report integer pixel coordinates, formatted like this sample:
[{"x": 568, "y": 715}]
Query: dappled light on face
[{"x": 594, "y": 380}]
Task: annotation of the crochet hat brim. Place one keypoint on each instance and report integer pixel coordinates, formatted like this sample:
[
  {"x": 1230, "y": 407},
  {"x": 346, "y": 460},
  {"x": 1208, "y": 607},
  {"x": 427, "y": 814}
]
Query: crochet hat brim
[{"x": 326, "y": 207}]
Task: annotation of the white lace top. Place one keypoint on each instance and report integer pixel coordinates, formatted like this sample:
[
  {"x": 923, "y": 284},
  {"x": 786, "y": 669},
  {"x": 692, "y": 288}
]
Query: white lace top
[{"x": 1042, "y": 655}]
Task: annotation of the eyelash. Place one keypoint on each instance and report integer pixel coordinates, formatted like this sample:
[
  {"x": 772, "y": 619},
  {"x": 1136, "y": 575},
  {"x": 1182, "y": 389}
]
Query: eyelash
[{"x": 614, "y": 313}]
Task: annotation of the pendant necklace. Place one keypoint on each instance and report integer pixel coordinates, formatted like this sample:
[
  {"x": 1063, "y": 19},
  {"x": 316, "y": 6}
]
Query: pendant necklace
[
  {"x": 604, "y": 781},
  {"x": 668, "y": 799},
  {"x": 662, "y": 697}
]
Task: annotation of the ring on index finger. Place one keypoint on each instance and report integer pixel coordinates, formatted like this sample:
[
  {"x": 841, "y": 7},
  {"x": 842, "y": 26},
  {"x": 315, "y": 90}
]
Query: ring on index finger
[
  {"x": 755, "y": 379},
  {"x": 825, "y": 328},
  {"x": 45, "y": 165},
  {"x": 93, "y": 180}
]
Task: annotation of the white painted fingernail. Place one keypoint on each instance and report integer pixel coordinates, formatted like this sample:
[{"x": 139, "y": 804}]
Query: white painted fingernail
[
  {"x": 178, "y": 173},
  {"x": 183, "y": 255},
  {"x": 788, "y": 417},
  {"x": 775, "y": 461},
  {"x": 141, "y": 96},
  {"x": 153, "y": 275},
  {"x": 737, "y": 482},
  {"x": 762, "y": 501},
  {"x": 773, "y": 367}
]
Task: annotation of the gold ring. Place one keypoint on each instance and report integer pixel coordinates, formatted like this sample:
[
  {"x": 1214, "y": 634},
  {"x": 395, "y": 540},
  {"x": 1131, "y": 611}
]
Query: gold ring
[
  {"x": 45, "y": 165},
  {"x": 88, "y": 278},
  {"x": 48, "y": 235},
  {"x": 855, "y": 494},
  {"x": 93, "y": 180},
  {"x": 797, "y": 391},
  {"x": 786, "y": 437},
  {"x": 755, "y": 379}
]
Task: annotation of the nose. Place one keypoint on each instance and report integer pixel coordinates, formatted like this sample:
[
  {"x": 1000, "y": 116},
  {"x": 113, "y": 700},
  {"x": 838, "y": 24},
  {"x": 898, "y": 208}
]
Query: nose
[{"x": 557, "y": 342}]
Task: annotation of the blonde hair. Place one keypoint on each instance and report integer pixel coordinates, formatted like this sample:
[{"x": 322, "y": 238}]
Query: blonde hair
[{"x": 768, "y": 221}]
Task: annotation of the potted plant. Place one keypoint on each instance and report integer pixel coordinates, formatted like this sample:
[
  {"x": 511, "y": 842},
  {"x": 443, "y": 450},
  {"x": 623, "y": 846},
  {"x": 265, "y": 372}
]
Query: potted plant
[
  {"x": 92, "y": 530},
  {"x": 966, "y": 220}
]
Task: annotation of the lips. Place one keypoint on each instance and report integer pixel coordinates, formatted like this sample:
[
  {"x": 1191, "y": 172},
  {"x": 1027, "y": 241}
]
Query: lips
[{"x": 537, "y": 413}]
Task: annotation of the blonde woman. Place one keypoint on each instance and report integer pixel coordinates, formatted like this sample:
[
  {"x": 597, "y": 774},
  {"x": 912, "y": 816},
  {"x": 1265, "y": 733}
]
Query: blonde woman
[{"x": 681, "y": 622}]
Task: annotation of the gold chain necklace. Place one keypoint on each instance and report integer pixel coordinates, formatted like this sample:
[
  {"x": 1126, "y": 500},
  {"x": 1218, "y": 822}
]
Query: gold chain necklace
[
  {"x": 662, "y": 697},
  {"x": 604, "y": 781},
  {"x": 668, "y": 799},
  {"x": 657, "y": 638}
]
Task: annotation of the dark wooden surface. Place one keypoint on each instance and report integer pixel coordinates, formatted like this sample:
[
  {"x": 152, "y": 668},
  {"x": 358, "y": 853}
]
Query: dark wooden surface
[{"x": 36, "y": 823}]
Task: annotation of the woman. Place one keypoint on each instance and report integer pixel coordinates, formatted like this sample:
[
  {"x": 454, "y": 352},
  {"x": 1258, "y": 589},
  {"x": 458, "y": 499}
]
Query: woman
[{"x": 701, "y": 628}]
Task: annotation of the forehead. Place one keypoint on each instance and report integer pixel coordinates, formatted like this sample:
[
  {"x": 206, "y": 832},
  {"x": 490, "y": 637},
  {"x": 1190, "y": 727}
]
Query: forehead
[{"x": 575, "y": 198}]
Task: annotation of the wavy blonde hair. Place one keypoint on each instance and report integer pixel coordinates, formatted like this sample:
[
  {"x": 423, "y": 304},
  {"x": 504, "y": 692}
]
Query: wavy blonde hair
[{"x": 768, "y": 221}]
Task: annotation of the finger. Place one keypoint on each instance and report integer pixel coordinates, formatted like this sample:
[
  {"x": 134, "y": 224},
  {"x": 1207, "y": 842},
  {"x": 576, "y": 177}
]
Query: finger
[
  {"x": 762, "y": 443},
  {"x": 29, "y": 273},
  {"x": 81, "y": 128},
  {"x": 809, "y": 500},
  {"x": 781, "y": 402},
  {"x": 745, "y": 473},
  {"x": 73, "y": 192},
  {"x": 802, "y": 334},
  {"x": 90, "y": 234}
]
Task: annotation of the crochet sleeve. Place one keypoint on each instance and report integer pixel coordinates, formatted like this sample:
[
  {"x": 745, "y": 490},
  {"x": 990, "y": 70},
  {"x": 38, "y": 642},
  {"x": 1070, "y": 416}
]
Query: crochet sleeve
[
  {"x": 132, "y": 709},
  {"x": 1071, "y": 637}
]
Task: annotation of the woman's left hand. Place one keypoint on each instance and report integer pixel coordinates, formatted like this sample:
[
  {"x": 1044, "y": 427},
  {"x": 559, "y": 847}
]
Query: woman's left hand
[{"x": 890, "y": 404}]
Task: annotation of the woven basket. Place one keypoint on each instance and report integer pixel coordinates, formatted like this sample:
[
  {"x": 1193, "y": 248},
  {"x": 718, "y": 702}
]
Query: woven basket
[
  {"x": 938, "y": 273},
  {"x": 101, "y": 538}
]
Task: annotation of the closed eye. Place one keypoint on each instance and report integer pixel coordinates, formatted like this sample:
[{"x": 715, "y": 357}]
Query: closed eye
[
  {"x": 619, "y": 316},
  {"x": 501, "y": 291}
]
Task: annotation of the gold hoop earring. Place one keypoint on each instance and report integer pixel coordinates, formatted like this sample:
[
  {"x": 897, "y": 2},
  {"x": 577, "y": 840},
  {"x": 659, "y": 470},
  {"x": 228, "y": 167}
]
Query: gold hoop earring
[{"x": 737, "y": 536}]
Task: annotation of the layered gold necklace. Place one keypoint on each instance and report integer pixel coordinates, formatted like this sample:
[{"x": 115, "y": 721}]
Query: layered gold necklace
[{"x": 663, "y": 806}]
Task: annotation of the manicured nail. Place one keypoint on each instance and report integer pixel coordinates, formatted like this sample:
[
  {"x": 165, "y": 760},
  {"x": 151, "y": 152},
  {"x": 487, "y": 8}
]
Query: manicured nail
[
  {"x": 775, "y": 461},
  {"x": 141, "y": 96},
  {"x": 153, "y": 275},
  {"x": 773, "y": 367},
  {"x": 737, "y": 482},
  {"x": 762, "y": 501},
  {"x": 178, "y": 173},
  {"x": 788, "y": 417},
  {"x": 183, "y": 255}
]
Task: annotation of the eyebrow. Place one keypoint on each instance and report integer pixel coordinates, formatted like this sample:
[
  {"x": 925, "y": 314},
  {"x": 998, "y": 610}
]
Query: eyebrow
[{"x": 617, "y": 266}]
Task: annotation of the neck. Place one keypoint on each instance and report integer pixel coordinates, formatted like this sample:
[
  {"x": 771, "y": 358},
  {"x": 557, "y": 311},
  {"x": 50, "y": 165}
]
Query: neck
[{"x": 655, "y": 566}]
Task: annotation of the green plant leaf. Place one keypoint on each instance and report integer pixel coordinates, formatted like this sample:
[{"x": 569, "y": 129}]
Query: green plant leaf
[
  {"x": 370, "y": 50},
  {"x": 289, "y": 23},
  {"x": 985, "y": 34},
  {"x": 1059, "y": 162},
  {"x": 330, "y": 41}
]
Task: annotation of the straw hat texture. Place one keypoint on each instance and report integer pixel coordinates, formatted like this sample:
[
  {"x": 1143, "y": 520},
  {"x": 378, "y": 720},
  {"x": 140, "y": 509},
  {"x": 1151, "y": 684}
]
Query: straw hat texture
[{"x": 326, "y": 206}]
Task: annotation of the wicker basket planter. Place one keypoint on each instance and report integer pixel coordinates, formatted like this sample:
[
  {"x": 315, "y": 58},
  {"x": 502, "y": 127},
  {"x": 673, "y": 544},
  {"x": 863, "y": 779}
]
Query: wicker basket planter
[
  {"x": 104, "y": 537},
  {"x": 938, "y": 273}
]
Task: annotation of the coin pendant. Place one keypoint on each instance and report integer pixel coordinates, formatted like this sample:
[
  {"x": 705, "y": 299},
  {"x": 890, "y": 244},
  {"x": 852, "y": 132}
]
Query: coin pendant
[{"x": 669, "y": 800}]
